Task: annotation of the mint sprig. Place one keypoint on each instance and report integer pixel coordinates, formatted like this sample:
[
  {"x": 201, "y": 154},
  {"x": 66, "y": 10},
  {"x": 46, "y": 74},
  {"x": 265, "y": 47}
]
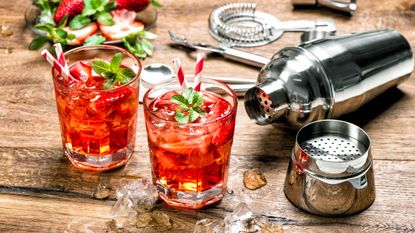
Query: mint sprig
[
  {"x": 138, "y": 43},
  {"x": 190, "y": 101},
  {"x": 52, "y": 33},
  {"x": 113, "y": 72},
  {"x": 96, "y": 10}
]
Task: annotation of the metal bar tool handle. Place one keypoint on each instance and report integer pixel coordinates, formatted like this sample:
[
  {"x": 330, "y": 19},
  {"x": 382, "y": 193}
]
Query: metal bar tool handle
[{"x": 245, "y": 57}]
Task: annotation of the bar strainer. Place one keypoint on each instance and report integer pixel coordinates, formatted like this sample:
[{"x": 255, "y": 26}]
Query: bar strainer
[
  {"x": 330, "y": 171},
  {"x": 240, "y": 24}
]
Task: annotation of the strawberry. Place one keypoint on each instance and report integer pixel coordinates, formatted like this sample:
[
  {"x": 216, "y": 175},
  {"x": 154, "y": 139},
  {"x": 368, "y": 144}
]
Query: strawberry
[
  {"x": 68, "y": 7},
  {"x": 133, "y": 5},
  {"x": 82, "y": 34},
  {"x": 124, "y": 24}
]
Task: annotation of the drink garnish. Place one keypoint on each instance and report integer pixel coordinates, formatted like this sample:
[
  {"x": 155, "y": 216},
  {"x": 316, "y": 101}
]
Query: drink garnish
[
  {"x": 190, "y": 101},
  {"x": 113, "y": 72}
]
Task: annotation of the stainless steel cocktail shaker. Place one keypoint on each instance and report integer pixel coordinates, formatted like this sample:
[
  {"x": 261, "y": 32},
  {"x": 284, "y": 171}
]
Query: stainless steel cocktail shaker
[{"x": 328, "y": 77}]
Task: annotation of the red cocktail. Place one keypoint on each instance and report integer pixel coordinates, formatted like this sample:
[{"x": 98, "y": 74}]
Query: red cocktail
[
  {"x": 190, "y": 160},
  {"x": 97, "y": 116}
]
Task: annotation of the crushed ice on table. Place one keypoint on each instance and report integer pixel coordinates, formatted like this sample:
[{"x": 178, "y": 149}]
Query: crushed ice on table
[
  {"x": 134, "y": 208},
  {"x": 8, "y": 50},
  {"x": 5, "y": 30},
  {"x": 209, "y": 226},
  {"x": 102, "y": 192},
  {"x": 254, "y": 179},
  {"x": 241, "y": 220}
]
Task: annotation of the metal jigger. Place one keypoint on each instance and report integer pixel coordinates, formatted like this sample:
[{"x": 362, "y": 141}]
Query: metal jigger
[{"x": 348, "y": 6}]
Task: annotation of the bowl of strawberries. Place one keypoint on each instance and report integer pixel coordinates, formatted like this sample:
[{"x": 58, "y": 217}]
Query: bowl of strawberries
[{"x": 92, "y": 22}]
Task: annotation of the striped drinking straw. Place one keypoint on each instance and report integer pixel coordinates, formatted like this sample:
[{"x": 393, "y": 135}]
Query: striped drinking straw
[
  {"x": 55, "y": 64},
  {"x": 60, "y": 56},
  {"x": 198, "y": 72},
  {"x": 180, "y": 74}
]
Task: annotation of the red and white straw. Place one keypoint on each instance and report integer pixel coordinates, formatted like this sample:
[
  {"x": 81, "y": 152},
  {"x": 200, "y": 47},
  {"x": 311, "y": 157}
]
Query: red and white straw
[
  {"x": 180, "y": 74},
  {"x": 198, "y": 72},
  {"x": 55, "y": 64},
  {"x": 60, "y": 56}
]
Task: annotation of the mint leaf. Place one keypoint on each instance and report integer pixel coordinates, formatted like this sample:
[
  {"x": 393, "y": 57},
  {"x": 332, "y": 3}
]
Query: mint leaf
[
  {"x": 38, "y": 42},
  {"x": 180, "y": 100},
  {"x": 94, "y": 40},
  {"x": 138, "y": 44},
  {"x": 126, "y": 74},
  {"x": 188, "y": 94},
  {"x": 70, "y": 36},
  {"x": 148, "y": 35},
  {"x": 45, "y": 27},
  {"x": 108, "y": 84},
  {"x": 79, "y": 22},
  {"x": 156, "y": 3},
  {"x": 147, "y": 47},
  {"x": 111, "y": 6},
  {"x": 63, "y": 21},
  {"x": 193, "y": 115},
  {"x": 112, "y": 72},
  {"x": 197, "y": 99},
  {"x": 101, "y": 66},
  {"x": 105, "y": 18},
  {"x": 200, "y": 111},
  {"x": 88, "y": 11},
  {"x": 181, "y": 117},
  {"x": 61, "y": 33},
  {"x": 116, "y": 62}
]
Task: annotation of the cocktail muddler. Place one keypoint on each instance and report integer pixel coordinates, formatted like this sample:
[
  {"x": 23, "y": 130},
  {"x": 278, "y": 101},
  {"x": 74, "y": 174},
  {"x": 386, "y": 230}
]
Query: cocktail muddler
[{"x": 329, "y": 77}]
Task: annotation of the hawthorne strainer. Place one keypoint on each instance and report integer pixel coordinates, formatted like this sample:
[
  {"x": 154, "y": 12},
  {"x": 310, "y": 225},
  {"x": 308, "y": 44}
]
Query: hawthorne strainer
[
  {"x": 331, "y": 172},
  {"x": 241, "y": 24}
]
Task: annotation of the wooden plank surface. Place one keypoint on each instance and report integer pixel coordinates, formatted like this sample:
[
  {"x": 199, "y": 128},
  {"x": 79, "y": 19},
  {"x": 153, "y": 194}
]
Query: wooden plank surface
[{"x": 40, "y": 192}]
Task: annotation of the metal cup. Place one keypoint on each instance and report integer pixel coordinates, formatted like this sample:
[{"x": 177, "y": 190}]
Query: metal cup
[{"x": 331, "y": 169}]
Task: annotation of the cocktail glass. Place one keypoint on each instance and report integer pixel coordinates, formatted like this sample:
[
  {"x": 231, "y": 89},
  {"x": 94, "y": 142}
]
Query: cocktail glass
[
  {"x": 98, "y": 126},
  {"x": 190, "y": 161}
]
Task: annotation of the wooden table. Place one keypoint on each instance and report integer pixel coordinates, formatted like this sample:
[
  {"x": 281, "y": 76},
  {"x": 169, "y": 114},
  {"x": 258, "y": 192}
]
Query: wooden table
[{"x": 40, "y": 192}]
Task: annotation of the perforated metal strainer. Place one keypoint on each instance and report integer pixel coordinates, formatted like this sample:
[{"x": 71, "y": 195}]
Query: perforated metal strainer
[{"x": 330, "y": 171}]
